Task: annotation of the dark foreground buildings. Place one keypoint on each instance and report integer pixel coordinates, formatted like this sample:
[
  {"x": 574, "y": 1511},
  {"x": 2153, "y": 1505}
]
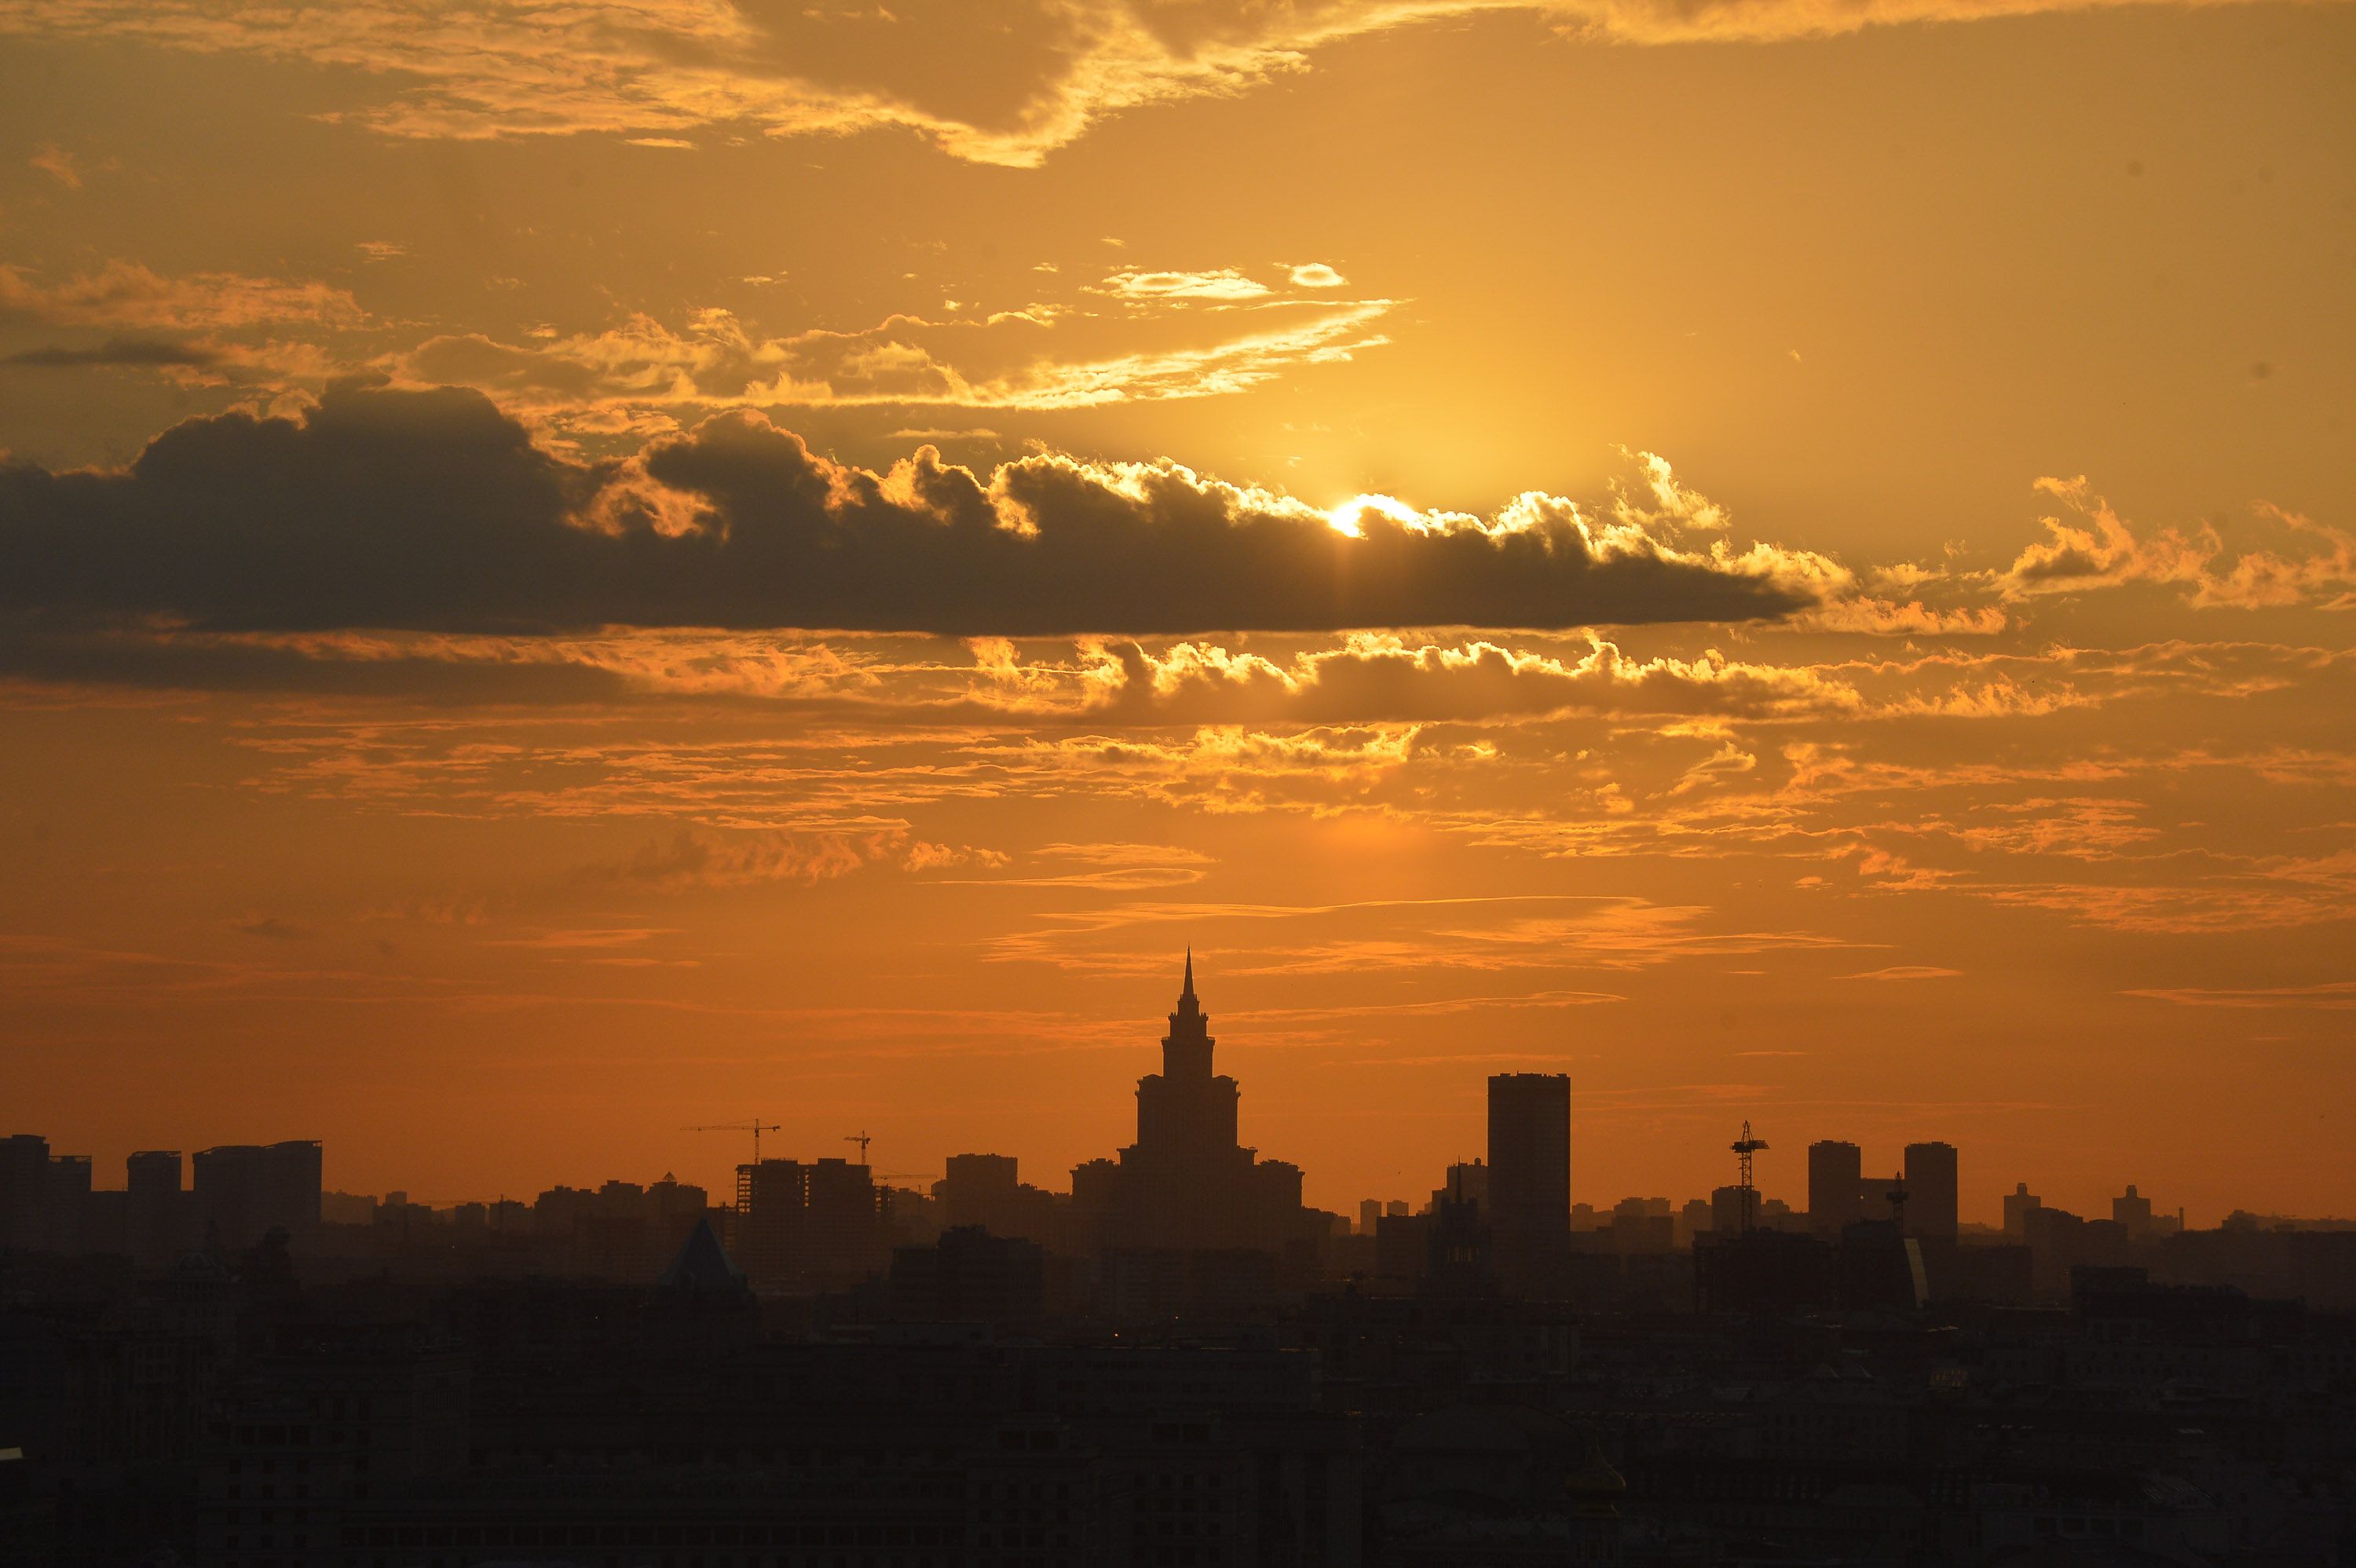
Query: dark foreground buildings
[{"x": 1185, "y": 1366}]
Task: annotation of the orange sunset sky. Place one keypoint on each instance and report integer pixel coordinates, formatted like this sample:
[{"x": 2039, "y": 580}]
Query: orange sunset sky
[{"x": 569, "y": 572}]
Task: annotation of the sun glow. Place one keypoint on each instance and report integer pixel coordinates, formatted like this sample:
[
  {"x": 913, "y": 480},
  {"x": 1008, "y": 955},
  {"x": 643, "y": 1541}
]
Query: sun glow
[{"x": 1349, "y": 516}]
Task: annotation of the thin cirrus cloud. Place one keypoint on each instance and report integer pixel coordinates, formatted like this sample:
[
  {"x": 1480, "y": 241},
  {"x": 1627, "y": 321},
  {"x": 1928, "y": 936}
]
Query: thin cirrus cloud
[
  {"x": 702, "y": 857},
  {"x": 2333, "y": 996},
  {"x": 1542, "y": 932},
  {"x": 433, "y": 510},
  {"x": 57, "y": 164},
  {"x": 1041, "y": 358},
  {"x": 201, "y": 328},
  {"x": 2180, "y": 910},
  {"x": 1134, "y": 337},
  {"x": 999, "y": 84},
  {"x": 128, "y": 294}
]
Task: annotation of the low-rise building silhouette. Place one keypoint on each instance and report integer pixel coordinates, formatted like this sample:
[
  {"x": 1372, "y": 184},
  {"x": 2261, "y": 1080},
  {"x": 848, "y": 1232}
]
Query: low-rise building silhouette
[
  {"x": 243, "y": 1191},
  {"x": 2018, "y": 1204}
]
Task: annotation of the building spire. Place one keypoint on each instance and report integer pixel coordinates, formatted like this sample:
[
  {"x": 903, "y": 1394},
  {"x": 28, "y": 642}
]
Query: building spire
[{"x": 1187, "y": 1049}]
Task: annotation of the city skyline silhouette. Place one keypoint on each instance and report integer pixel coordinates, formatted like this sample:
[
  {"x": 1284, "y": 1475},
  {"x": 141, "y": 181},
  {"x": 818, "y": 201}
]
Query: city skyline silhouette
[
  {"x": 1186, "y": 1142},
  {"x": 1187, "y": 1181},
  {"x": 1341, "y": 783},
  {"x": 1194, "y": 1365}
]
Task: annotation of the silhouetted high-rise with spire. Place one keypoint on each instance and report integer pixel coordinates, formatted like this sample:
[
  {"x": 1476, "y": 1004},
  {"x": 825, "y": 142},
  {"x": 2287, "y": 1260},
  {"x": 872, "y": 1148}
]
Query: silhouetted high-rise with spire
[
  {"x": 1186, "y": 1113},
  {"x": 1187, "y": 1182}
]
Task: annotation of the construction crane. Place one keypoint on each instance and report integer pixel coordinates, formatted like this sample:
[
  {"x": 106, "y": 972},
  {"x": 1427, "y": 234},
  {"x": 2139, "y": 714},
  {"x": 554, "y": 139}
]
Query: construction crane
[
  {"x": 1897, "y": 1195},
  {"x": 1744, "y": 1147},
  {"x": 863, "y": 1140},
  {"x": 756, "y": 1127}
]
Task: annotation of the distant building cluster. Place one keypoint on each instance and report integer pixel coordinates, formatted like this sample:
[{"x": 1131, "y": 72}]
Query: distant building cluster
[
  {"x": 241, "y": 1193},
  {"x": 1185, "y": 1220}
]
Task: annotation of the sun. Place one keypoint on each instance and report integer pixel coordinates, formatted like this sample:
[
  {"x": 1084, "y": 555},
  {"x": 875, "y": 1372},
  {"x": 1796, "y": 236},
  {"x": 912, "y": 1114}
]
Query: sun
[{"x": 1349, "y": 516}]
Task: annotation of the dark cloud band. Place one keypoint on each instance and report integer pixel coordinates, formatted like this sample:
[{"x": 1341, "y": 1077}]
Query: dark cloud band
[{"x": 432, "y": 510}]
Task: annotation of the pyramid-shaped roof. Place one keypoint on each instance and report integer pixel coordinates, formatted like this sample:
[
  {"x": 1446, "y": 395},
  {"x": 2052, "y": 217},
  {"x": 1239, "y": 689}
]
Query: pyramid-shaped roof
[{"x": 702, "y": 1264}]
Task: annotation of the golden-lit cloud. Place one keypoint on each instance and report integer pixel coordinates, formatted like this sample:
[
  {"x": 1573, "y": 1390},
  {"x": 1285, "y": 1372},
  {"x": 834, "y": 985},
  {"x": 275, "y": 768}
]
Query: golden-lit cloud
[
  {"x": 1227, "y": 285},
  {"x": 1136, "y": 337},
  {"x": 2313, "y": 563},
  {"x": 1658, "y": 497},
  {"x": 1100, "y": 868},
  {"x": 1000, "y": 84},
  {"x": 126, "y": 294},
  {"x": 2179, "y": 911},
  {"x": 645, "y": 374},
  {"x": 1889, "y": 618},
  {"x": 57, "y": 164},
  {"x": 709, "y": 858},
  {"x": 218, "y": 329},
  {"x": 1373, "y": 676}
]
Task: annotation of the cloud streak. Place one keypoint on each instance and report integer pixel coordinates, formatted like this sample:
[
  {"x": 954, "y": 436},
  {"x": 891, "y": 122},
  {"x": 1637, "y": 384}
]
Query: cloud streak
[
  {"x": 1039, "y": 359},
  {"x": 2331, "y": 996},
  {"x": 126, "y": 294},
  {"x": 1382, "y": 677},
  {"x": 1028, "y": 78}
]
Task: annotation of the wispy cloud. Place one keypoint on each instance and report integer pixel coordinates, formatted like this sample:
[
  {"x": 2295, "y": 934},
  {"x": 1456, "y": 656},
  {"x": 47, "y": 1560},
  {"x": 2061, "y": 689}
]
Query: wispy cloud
[
  {"x": 2331, "y": 996},
  {"x": 1903, "y": 972},
  {"x": 57, "y": 164},
  {"x": 655, "y": 72},
  {"x": 2310, "y": 562},
  {"x": 127, "y": 295},
  {"x": 645, "y": 373}
]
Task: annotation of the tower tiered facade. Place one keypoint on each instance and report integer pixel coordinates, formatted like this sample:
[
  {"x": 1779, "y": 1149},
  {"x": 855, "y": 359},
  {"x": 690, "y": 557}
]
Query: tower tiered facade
[{"x": 1188, "y": 1181}]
